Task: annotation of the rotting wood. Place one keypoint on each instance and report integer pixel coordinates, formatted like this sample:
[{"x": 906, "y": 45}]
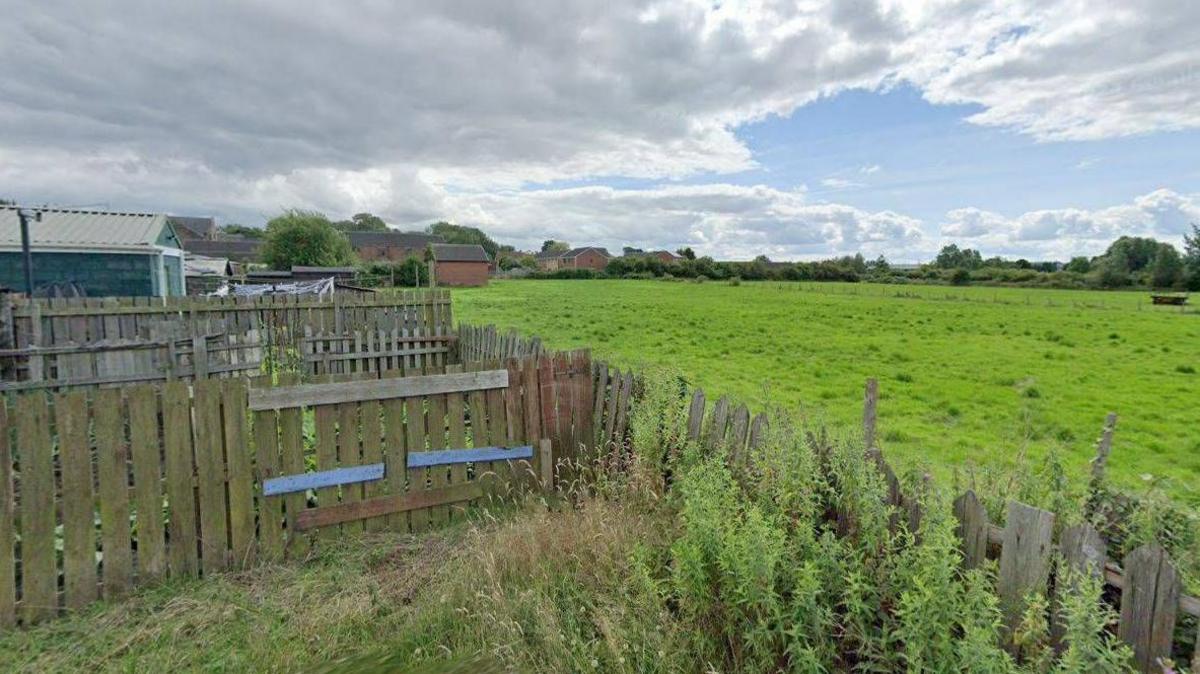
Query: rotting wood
[
  {"x": 972, "y": 529},
  {"x": 1149, "y": 606},
  {"x": 377, "y": 507}
]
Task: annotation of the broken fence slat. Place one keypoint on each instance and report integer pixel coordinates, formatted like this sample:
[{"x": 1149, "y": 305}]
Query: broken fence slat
[
  {"x": 288, "y": 484},
  {"x": 445, "y": 457}
]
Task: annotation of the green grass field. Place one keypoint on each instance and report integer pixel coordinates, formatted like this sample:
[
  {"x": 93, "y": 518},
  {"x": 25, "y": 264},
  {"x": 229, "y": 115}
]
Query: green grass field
[{"x": 969, "y": 376}]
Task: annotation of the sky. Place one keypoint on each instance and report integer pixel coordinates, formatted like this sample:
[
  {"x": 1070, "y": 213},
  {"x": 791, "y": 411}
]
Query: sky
[{"x": 798, "y": 130}]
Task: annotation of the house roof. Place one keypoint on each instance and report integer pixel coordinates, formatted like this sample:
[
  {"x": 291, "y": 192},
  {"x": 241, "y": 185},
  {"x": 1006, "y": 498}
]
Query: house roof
[
  {"x": 576, "y": 252},
  {"x": 297, "y": 269},
  {"x": 198, "y": 265},
  {"x": 548, "y": 255},
  {"x": 242, "y": 250},
  {"x": 200, "y": 226},
  {"x": 459, "y": 252},
  {"x": 392, "y": 239},
  {"x": 64, "y": 228}
]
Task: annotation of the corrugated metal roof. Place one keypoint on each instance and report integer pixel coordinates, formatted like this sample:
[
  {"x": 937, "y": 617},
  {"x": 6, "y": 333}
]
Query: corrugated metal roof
[
  {"x": 69, "y": 228},
  {"x": 459, "y": 252}
]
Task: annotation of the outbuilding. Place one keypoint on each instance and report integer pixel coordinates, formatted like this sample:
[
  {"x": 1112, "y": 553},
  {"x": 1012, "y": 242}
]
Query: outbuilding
[
  {"x": 460, "y": 264},
  {"x": 104, "y": 253}
]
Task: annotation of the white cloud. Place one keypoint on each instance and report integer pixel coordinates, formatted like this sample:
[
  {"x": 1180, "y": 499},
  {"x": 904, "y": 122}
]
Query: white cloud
[
  {"x": 726, "y": 221},
  {"x": 1060, "y": 233},
  {"x": 428, "y": 110},
  {"x": 839, "y": 183}
]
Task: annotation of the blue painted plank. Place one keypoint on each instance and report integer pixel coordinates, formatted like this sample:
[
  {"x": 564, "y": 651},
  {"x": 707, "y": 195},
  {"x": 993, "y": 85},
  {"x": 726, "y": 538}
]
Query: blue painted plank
[
  {"x": 326, "y": 478},
  {"x": 444, "y": 457}
]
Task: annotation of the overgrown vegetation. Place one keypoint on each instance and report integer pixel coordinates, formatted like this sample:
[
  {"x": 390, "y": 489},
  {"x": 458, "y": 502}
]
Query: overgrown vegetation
[{"x": 673, "y": 558}]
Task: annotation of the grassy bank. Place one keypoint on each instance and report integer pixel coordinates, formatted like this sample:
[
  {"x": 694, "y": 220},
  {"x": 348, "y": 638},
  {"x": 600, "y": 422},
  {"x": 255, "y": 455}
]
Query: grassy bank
[{"x": 970, "y": 376}]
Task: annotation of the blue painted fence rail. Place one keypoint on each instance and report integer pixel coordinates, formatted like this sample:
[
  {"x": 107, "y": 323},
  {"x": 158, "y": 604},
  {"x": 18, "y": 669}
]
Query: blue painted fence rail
[
  {"x": 287, "y": 484},
  {"x": 325, "y": 478},
  {"x": 444, "y": 457}
]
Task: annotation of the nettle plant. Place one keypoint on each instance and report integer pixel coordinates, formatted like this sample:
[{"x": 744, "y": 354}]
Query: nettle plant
[{"x": 788, "y": 558}]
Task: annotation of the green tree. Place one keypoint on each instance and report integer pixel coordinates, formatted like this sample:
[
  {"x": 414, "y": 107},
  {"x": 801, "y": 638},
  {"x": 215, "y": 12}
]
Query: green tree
[
  {"x": 686, "y": 253},
  {"x": 552, "y": 246},
  {"x": 1191, "y": 259},
  {"x": 233, "y": 229},
  {"x": 1137, "y": 251},
  {"x": 362, "y": 222},
  {"x": 1166, "y": 269},
  {"x": 952, "y": 257},
  {"x": 453, "y": 233},
  {"x": 1112, "y": 270},
  {"x": 304, "y": 238},
  {"x": 1080, "y": 265}
]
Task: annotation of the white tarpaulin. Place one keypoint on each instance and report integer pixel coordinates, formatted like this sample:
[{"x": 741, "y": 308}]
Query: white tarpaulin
[{"x": 320, "y": 287}]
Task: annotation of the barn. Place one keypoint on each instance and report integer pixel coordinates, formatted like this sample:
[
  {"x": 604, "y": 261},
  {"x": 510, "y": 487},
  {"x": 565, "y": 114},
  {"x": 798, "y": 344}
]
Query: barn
[
  {"x": 460, "y": 264},
  {"x": 104, "y": 253}
]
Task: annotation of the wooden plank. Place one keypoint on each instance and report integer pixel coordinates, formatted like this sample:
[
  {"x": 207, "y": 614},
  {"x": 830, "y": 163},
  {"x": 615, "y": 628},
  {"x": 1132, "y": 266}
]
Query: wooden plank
[
  {"x": 1149, "y": 606},
  {"x": 182, "y": 557},
  {"x": 695, "y": 416},
  {"x": 599, "y": 395},
  {"x": 447, "y": 457},
  {"x": 1083, "y": 552},
  {"x": 241, "y": 477},
  {"x": 39, "y": 573},
  {"x": 623, "y": 407},
  {"x": 870, "y": 405},
  {"x": 386, "y": 505},
  {"x": 145, "y": 453},
  {"x": 291, "y": 460},
  {"x": 718, "y": 421},
  {"x": 439, "y": 475},
  {"x": 546, "y": 394},
  {"x": 972, "y": 529},
  {"x": 287, "y": 484},
  {"x": 8, "y": 578},
  {"x": 585, "y": 411},
  {"x": 414, "y": 426},
  {"x": 738, "y": 428},
  {"x": 498, "y": 434},
  {"x": 758, "y": 431},
  {"x": 395, "y": 455},
  {"x": 1024, "y": 559},
  {"x": 349, "y": 453},
  {"x": 78, "y": 500},
  {"x": 266, "y": 466},
  {"x": 210, "y": 472},
  {"x": 283, "y": 397},
  {"x": 112, "y": 461},
  {"x": 325, "y": 425},
  {"x": 1104, "y": 448},
  {"x": 456, "y": 421}
]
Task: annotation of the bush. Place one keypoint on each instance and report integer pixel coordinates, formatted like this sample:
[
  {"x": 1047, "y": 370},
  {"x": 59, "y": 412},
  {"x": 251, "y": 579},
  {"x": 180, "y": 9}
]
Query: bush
[{"x": 304, "y": 238}]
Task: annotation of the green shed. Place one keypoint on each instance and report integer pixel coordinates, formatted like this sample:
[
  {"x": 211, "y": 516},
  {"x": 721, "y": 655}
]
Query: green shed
[{"x": 105, "y": 253}]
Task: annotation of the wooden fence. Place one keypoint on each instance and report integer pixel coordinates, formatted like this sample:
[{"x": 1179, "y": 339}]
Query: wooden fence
[
  {"x": 102, "y": 490},
  {"x": 125, "y": 361},
  {"x": 481, "y": 342},
  {"x": 281, "y": 319},
  {"x": 375, "y": 352}
]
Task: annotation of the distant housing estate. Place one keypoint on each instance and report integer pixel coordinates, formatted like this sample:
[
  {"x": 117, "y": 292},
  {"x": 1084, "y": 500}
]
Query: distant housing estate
[{"x": 586, "y": 257}]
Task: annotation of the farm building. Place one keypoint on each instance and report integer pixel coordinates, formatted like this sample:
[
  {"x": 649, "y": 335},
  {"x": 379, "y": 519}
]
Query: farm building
[
  {"x": 373, "y": 246},
  {"x": 193, "y": 228},
  {"x": 587, "y": 257},
  {"x": 460, "y": 264},
  {"x": 103, "y": 253},
  {"x": 205, "y": 274}
]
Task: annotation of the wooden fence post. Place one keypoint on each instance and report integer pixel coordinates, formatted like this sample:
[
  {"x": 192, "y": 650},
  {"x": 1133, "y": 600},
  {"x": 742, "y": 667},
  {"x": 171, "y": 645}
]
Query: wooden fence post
[
  {"x": 1083, "y": 552},
  {"x": 1149, "y": 605},
  {"x": 1024, "y": 559},
  {"x": 972, "y": 529},
  {"x": 1103, "y": 448},
  {"x": 870, "y": 403},
  {"x": 695, "y": 416},
  {"x": 546, "y": 463}
]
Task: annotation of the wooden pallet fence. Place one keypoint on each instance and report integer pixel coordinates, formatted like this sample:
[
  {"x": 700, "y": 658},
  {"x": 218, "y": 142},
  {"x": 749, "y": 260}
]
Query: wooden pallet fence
[
  {"x": 375, "y": 352},
  {"x": 127, "y": 361},
  {"x": 281, "y": 319}
]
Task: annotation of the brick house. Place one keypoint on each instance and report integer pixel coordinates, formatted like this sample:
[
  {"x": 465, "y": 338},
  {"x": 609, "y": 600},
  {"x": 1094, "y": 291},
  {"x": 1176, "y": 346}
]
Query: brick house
[
  {"x": 664, "y": 256},
  {"x": 460, "y": 264},
  {"x": 393, "y": 246},
  {"x": 587, "y": 257}
]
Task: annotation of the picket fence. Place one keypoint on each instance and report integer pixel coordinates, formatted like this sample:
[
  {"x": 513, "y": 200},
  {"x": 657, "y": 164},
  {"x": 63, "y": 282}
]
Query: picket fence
[
  {"x": 375, "y": 352},
  {"x": 102, "y": 490}
]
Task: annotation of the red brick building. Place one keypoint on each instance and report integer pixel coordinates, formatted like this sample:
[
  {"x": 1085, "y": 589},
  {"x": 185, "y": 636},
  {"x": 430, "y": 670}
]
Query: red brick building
[
  {"x": 394, "y": 246},
  {"x": 587, "y": 257},
  {"x": 460, "y": 264}
]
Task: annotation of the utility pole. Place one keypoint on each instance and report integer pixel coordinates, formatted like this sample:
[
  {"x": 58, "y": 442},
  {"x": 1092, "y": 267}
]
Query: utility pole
[{"x": 24, "y": 214}]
